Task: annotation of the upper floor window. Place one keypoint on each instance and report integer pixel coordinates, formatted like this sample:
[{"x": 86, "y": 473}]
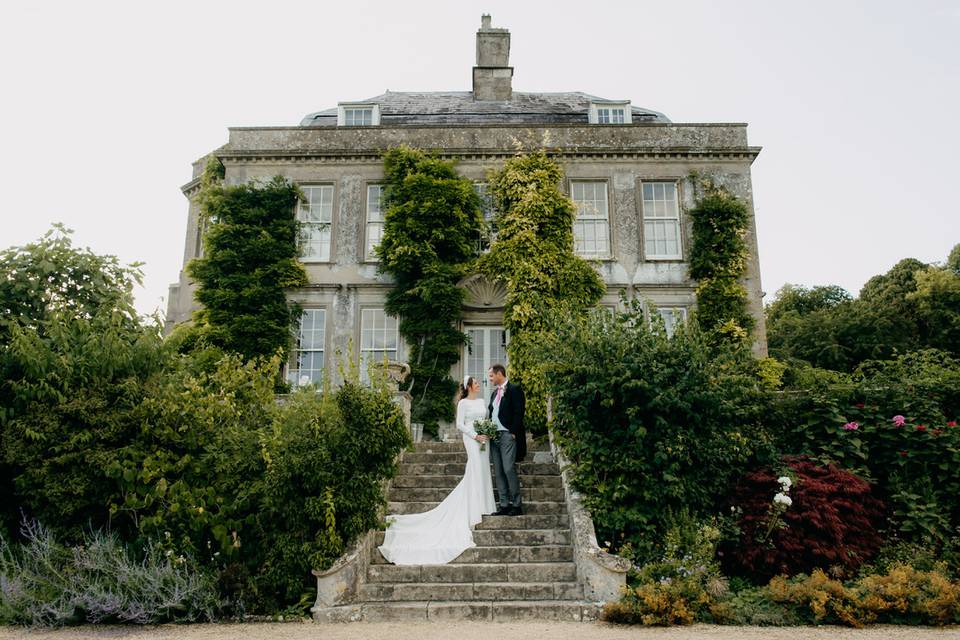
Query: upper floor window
[
  {"x": 374, "y": 220},
  {"x": 488, "y": 234},
  {"x": 610, "y": 113},
  {"x": 591, "y": 229},
  {"x": 358, "y": 115},
  {"x": 307, "y": 360},
  {"x": 315, "y": 213},
  {"x": 661, "y": 221},
  {"x": 379, "y": 339}
]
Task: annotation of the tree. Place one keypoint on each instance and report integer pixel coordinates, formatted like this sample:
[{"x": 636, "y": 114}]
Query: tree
[
  {"x": 431, "y": 221},
  {"x": 249, "y": 262},
  {"x": 533, "y": 257}
]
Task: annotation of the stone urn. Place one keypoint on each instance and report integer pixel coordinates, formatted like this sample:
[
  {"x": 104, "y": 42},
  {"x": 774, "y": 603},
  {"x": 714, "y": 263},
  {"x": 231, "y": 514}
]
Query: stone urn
[{"x": 394, "y": 372}]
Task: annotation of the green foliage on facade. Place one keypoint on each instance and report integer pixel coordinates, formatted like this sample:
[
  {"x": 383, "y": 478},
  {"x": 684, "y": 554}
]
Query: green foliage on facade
[
  {"x": 533, "y": 257},
  {"x": 718, "y": 261},
  {"x": 248, "y": 263},
  {"x": 430, "y": 227}
]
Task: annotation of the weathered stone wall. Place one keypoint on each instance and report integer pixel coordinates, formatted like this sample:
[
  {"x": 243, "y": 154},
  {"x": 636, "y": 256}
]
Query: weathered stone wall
[{"x": 622, "y": 156}]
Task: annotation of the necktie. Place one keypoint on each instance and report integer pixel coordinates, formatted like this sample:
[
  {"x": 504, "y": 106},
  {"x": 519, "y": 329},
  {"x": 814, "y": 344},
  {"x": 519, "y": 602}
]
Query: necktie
[{"x": 499, "y": 394}]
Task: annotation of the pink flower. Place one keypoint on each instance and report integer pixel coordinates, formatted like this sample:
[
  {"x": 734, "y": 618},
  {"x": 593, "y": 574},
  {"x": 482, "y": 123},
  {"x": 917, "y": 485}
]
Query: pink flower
[
  {"x": 903, "y": 454},
  {"x": 921, "y": 427},
  {"x": 898, "y": 421},
  {"x": 952, "y": 423},
  {"x": 859, "y": 405},
  {"x": 937, "y": 432},
  {"x": 851, "y": 426}
]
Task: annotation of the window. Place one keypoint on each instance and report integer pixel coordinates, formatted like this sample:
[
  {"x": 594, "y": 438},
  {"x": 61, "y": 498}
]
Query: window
[
  {"x": 591, "y": 229},
  {"x": 488, "y": 235},
  {"x": 661, "y": 221},
  {"x": 358, "y": 115},
  {"x": 610, "y": 113},
  {"x": 374, "y": 220},
  {"x": 315, "y": 213},
  {"x": 307, "y": 358},
  {"x": 672, "y": 317},
  {"x": 378, "y": 338}
]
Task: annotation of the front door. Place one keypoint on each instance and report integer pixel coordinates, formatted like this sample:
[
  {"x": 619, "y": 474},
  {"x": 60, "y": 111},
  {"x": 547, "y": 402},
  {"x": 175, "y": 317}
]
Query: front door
[{"x": 486, "y": 346}]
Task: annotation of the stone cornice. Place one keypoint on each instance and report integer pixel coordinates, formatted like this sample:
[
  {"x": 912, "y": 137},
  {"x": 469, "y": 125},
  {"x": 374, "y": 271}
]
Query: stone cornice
[{"x": 349, "y": 156}]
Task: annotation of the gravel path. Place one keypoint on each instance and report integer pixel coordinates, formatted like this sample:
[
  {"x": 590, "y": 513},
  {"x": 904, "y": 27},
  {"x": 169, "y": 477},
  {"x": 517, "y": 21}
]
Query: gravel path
[{"x": 478, "y": 631}]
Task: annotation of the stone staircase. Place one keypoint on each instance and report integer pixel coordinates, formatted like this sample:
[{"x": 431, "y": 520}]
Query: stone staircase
[{"x": 521, "y": 569}]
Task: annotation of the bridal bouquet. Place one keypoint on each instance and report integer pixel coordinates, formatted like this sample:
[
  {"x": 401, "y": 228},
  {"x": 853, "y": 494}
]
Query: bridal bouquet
[{"x": 485, "y": 427}]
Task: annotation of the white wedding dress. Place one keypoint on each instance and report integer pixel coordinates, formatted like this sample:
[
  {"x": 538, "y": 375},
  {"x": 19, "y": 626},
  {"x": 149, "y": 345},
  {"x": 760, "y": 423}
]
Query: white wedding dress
[{"x": 443, "y": 533}]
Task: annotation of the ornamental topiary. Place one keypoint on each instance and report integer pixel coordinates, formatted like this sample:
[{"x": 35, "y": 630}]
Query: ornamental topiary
[{"x": 823, "y": 517}]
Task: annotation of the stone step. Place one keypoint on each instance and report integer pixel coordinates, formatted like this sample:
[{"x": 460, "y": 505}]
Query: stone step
[
  {"x": 406, "y": 591},
  {"x": 510, "y": 537},
  {"x": 494, "y": 611},
  {"x": 433, "y": 494},
  {"x": 472, "y": 573},
  {"x": 529, "y": 507},
  {"x": 450, "y": 481},
  {"x": 502, "y": 555},
  {"x": 456, "y": 469},
  {"x": 526, "y": 521},
  {"x": 456, "y": 446}
]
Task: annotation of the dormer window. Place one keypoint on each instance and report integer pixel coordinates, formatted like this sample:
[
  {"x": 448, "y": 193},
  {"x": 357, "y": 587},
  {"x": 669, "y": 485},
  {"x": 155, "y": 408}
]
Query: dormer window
[
  {"x": 610, "y": 113},
  {"x": 358, "y": 115}
]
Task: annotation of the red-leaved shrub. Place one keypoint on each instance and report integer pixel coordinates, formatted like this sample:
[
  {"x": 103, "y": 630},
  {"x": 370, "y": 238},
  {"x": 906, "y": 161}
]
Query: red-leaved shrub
[{"x": 831, "y": 524}]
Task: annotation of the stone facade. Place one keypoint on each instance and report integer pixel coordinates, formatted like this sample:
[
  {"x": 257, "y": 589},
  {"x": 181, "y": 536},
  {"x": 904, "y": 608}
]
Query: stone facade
[{"x": 480, "y": 134}]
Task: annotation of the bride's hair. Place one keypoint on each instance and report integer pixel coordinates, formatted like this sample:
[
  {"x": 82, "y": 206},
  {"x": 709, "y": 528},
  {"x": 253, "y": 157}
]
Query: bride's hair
[{"x": 464, "y": 389}]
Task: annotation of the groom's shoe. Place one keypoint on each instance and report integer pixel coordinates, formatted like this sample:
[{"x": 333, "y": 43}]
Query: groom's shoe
[
  {"x": 503, "y": 511},
  {"x": 514, "y": 511}
]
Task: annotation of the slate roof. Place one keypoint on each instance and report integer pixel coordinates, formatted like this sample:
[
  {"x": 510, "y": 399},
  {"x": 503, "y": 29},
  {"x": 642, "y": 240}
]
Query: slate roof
[{"x": 459, "y": 107}]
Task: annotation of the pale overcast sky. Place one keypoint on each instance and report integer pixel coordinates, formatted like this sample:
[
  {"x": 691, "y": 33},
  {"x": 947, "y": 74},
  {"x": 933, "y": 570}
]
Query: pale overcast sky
[{"x": 856, "y": 105}]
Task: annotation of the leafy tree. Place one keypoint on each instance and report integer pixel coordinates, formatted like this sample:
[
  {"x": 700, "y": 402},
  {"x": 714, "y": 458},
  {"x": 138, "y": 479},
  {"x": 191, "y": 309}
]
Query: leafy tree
[
  {"x": 718, "y": 260},
  {"x": 533, "y": 257},
  {"x": 249, "y": 261},
  {"x": 432, "y": 218}
]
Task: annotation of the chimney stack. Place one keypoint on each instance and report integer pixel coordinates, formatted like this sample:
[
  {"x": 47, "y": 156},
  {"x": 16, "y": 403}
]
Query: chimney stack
[{"x": 492, "y": 77}]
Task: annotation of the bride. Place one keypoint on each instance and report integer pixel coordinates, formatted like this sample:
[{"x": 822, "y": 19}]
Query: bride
[{"x": 443, "y": 533}]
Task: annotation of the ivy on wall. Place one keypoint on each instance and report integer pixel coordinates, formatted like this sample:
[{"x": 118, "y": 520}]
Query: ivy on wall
[
  {"x": 250, "y": 260},
  {"x": 430, "y": 226},
  {"x": 534, "y": 258},
  {"x": 718, "y": 261}
]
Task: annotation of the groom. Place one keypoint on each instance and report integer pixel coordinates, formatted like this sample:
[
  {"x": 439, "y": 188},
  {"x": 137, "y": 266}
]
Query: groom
[{"x": 506, "y": 408}]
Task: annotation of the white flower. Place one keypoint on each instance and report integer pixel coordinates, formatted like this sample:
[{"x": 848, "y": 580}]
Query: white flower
[
  {"x": 783, "y": 499},
  {"x": 785, "y": 482}
]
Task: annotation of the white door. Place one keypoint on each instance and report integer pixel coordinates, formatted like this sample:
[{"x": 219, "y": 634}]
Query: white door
[{"x": 486, "y": 347}]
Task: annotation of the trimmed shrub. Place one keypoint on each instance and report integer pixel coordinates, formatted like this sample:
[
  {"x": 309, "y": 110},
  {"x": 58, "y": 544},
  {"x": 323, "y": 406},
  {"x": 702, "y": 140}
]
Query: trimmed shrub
[{"x": 828, "y": 520}]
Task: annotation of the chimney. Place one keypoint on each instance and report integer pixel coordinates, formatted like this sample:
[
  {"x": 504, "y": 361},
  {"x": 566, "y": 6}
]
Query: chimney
[{"x": 492, "y": 77}]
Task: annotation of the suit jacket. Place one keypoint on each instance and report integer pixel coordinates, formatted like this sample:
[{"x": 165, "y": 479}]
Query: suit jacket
[{"x": 512, "y": 407}]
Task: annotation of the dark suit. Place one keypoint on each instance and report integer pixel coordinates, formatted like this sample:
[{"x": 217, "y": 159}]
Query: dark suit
[{"x": 512, "y": 446}]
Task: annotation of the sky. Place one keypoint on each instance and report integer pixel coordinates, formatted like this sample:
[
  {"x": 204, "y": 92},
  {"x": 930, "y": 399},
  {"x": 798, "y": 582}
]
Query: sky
[{"x": 104, "y": 106}]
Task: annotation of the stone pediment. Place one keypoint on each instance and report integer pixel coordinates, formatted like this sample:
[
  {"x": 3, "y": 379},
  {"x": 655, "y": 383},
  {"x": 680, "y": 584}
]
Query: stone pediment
[{"x": 482, "y": 293}]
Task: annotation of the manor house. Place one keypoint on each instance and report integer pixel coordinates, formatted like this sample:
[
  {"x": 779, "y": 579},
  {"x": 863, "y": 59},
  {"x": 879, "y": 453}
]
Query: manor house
[{"x": 627, "y": 170}]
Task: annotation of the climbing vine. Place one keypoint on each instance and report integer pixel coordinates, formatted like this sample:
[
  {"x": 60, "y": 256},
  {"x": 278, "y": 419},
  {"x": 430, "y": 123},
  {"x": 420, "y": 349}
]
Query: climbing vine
[
  {"x": 249, "y": 261},
  {"x": 431, "y": 222},
  {"x": 718, "y": 260},
  {"x": 533, "y": 257}
]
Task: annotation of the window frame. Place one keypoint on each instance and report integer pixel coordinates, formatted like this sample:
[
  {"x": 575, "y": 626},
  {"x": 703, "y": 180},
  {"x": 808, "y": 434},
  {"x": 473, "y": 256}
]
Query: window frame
[
  {"x": 333, "y": 216},
  {"x": 295, "y": 350},
  {"x": 489, "y": 235},
  {"x": 595, "y": 108},
  {"x": 398, "y": 350},
  {"x": 608, "y": 255},
  {"x": 344, "y": 107},
  {"x": 680, "y": 219},
  {"x": 654, "y": 308},
  {"x": 367, "y": 253}
]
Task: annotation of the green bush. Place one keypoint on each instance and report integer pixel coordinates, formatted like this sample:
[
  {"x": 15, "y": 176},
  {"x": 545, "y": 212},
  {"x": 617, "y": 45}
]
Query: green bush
[
  {"x": 651, "y": 424},
  {"x": 893, "y": 423}
]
